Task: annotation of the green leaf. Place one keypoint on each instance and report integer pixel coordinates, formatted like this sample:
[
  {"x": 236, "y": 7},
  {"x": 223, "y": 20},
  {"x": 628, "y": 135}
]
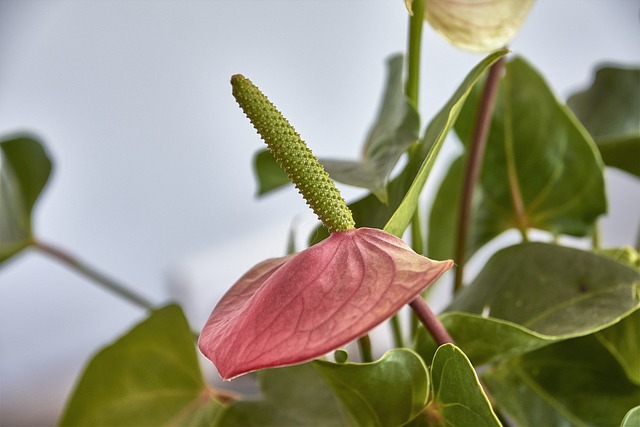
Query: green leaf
[
  {"x": 574, "y": 382},
  {"x": 541, "y": 169},
  {"x": 632, "y": 419},
  {"x": 609, "y": 109},
  {"x": 623, "y": 341},
  {"x": 458, "y": 398},
  {"x": 395, "y": 129},
  {"x": 148, "y": 377},
  {"x": 552, "y": 290},
  {"x": 24, "y": 171},
  {"x": 625, "y": 255},
  {"x": 269, "y": 175},
  {"x": 293, "y": 396},
  {"x": 388, "y": 392},
  {"x": 432, "y": 142}
]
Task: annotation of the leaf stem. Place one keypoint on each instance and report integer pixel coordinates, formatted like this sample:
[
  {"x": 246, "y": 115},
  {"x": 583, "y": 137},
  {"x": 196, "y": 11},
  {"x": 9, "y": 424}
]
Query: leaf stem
[
  {"x": 364, "y": 344},
  {"x": 431, "y": 321},
  {"x": 474, "y": 165},
  {"x": 98, "y": 277},
  {"x": 412, "y": 87},
  {"x": 397, "y": 331}
]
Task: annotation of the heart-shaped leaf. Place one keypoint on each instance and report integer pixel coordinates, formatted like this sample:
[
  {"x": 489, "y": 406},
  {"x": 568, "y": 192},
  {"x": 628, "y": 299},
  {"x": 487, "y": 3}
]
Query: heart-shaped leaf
[
  {"x": 609, "y": 109},
  {"x": 574, "y": 382},
  {"x": 388, "y": 392},
  {"x": 291, "y": 396},
  {"x": 458, "y": 398},
  {"x": 473, "y": 25},
  {"x": 541, "y": 169},
  {"x": 149, "y": 377},
  {"x": 24, "y": 171},
  {"x": 294, "y": 309},
  {"x": 552, "y": 290},
  {"x": 394, "y": 130}
]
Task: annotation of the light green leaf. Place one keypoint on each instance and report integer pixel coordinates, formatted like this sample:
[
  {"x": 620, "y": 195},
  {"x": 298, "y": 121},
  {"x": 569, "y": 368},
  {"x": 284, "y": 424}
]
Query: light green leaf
[
  {"x": 292, "y": 396},
  {"x": 609, "y": 109},
  {"x": 552, "y": 290},
  {"x": 623, "y": 341},
  {"x": 269, "y": 175},
  {"x": 476, "y": 26},
  {"x": 458, "y": 398},
  {"x": 574, "y": 382},
  {"x": 24, "y": 171},
  {"x": 388, "y": 392},
  {"x": 625, "y": 255},
  {"x": 632, "y": 419},
  {"x": 394, "y": 130},
  {"x": 149, "y": 377},
  {"x": 432, "y": 142},
  {"x": 541, "y": 168}
]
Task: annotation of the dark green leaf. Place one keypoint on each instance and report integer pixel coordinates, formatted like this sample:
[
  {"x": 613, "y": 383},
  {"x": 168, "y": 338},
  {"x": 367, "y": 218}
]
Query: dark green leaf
[
  {"x": 388, "y": 392},
  {"x": 632, "y": 419},
  {"x": 610, "y": 109},
  {"x": 24, "y": 171},
  {"x": 623, "y": 341},
  {"x": 541, "y": 169},
  {"x": 293, "y": 396},
  {"x": 458, "y": 396},
  {"x": 574, "y": 382},
  {"x": 149, "y": 377},
  {"x": 394, "y": 130},
  {"x": 552, "y": 290},
  {"x": 432, "y": 142},
  {"x": 269, "y": 175}
]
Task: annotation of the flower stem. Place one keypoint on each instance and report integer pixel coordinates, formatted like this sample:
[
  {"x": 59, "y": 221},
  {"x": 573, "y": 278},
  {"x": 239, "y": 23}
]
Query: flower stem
[
  {"x": 431, "y": 321},
  {"x": 474, "y": 164},
  {"x": 364, "y": 344},
  {"x": 397, "y": 331},
  {"x": 96, "y": 276},
  {"x": 412, "y": 86}
]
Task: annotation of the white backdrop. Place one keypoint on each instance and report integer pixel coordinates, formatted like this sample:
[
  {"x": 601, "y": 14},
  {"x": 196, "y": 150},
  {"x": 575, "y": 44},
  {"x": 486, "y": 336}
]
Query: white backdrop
[{"x": 152, "y": 179}]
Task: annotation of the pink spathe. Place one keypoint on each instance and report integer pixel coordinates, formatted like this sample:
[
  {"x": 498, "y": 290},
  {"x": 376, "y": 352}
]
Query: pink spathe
[{"x": 296, "y": 308}]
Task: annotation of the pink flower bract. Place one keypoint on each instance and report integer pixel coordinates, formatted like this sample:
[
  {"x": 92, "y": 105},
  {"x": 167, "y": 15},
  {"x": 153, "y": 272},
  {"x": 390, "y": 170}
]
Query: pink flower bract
[{"x": 296, "y": 308}]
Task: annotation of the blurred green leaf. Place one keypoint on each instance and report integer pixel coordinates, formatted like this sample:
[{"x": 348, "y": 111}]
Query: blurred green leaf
[
  {"x": 610, "y": 110},
  {"x": 432, "y": 142},
  {"x": 625, "y": 255},
  {"x": 623, "y": 341},
  {"x": 292, "y": 396},
  {"x": 24, "y": 171},
  {"x": 541, "y": 169},
  {"x": 552, "y": 290},
  {"x": 388, "y": 392},
  {"x": 458, "y": 398},
  {"x": 632, "y": 419},
  {"x": 395, "y": 129},
  {"x": 269, "y": 175},
  {"x": 148, "y": 377},
  {"x": 574, "y": 382}
]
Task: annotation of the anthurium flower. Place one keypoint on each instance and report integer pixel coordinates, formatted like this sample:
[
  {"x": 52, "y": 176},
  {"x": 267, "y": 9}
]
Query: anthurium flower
[
  {"x": 296, "y": 308},
  {"x": 476, "y": 25}
]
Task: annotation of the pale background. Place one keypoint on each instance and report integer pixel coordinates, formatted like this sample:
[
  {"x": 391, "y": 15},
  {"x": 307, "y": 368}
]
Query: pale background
[{"x": 152, "y": 179}]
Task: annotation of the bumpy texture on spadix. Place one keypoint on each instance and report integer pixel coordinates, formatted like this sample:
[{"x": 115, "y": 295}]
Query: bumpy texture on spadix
[
  {"x": 293, "y": 309},
  {"x": 294, "y": 156}
]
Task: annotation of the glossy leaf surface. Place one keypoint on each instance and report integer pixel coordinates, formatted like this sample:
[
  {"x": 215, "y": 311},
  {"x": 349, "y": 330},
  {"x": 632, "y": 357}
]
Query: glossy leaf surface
[
  {"x": 148, "y": 377},
  {"x": 632, "y": 418},
  {"x": 24, "y": 171},
  {"x": 609, "y": 109},
  {"x": 388, "y": 392},
  {"x": 477, "y": 26},
  {"x": 291, "y": 396},
  {"x": 393, "y": 131},
  {"x": 458, "y": 398},
  {"x": 541, "y": 169},
  {"x": 430, "y": 146},
  {"x": 574, "y": 382},
  {"x": 294, "y": 309},
  {"x": 552, "y": 290}
]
